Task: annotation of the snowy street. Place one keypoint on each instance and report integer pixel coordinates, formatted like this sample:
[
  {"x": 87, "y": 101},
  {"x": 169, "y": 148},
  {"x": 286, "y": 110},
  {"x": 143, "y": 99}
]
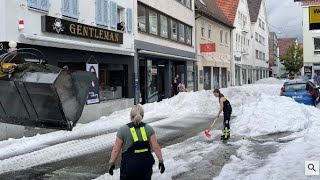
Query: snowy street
[{"x": 271, "y": 138}]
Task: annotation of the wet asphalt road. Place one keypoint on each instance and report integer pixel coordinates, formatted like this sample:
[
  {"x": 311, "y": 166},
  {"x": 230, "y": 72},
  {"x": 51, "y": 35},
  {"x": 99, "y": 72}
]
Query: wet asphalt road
[{"x": 94, "y": 165}]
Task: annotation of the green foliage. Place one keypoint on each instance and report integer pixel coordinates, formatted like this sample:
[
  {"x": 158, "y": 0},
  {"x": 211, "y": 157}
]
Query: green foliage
[{"x": 293, "y": 59}]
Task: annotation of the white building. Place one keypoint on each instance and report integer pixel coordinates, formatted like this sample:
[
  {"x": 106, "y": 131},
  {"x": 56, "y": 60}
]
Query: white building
[
  {"x": 165, "y": 47},
  {"x": 311, "y": 37},
  {"x": 260, "y": 40},
  {"x": 76, "y": 32},
  {"x": 237, "y": 12}
]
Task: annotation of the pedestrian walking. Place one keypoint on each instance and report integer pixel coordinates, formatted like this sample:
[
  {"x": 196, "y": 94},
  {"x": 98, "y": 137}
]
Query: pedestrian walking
[
  {"x": 316, "y": 79},
  {"x": 225, "y": 106},
  {"x": 135, "y": 140}
]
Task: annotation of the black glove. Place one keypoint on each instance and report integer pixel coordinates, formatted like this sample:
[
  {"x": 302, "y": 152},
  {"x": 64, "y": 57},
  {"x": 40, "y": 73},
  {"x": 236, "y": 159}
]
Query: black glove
[
  {"x": 111, "y": 168},
  {"x": 161, "y": 167}
]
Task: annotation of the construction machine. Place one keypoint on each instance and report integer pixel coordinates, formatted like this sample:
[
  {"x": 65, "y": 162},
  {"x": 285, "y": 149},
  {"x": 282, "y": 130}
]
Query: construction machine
[{"x": 35, "y": 93}]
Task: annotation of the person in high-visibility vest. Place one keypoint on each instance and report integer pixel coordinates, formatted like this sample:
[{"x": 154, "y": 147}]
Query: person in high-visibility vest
[{"x": 135, "y": 140}]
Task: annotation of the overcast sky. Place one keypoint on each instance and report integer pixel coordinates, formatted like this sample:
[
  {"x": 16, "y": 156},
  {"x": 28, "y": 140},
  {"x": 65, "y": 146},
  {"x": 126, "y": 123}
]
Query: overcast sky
[{"x": 285, "y": 18}]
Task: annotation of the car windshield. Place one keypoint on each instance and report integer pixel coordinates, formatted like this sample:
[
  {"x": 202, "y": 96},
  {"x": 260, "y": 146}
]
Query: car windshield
[{"x": 295, "y": 87}]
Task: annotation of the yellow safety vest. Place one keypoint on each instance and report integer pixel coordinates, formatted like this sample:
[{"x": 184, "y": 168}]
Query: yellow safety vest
[{"x": 136, "y": 138}]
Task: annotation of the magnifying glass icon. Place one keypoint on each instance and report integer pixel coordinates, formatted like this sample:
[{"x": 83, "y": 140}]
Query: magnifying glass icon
[{"x": 311, "y": 167}]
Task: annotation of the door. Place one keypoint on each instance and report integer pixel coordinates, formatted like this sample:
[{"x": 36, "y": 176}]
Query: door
[
  {"x": 152, "y": 81},
  {"x": 223, "y": 77},
  {"x": 142, "y": 80},
  {"x": 216, "y": 80},
  {"x": 207, "y": 78},
  {"x": 161, "y": 80}
]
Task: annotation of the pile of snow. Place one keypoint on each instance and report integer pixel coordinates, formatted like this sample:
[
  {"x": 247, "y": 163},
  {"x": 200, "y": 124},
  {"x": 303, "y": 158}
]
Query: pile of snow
[
  {"x": 272, "y": 114},
  {"x": 270, "y": 80}
]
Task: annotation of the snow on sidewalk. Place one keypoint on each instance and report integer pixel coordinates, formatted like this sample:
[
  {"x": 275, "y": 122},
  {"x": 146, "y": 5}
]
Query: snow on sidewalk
[{"x": 202, "y": 102}]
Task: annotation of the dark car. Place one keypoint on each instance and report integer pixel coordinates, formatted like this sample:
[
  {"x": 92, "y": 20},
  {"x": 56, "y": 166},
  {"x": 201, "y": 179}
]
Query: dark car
[{"x": 304, "y": 92}]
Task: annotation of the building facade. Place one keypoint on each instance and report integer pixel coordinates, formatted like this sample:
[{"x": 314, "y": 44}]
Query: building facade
[
  {"x": 213, "y": 46},
  {"x": 260, "y": 41},
  {"x": 237, "y": 12},
  {"x": 165, "y": 48},
  {"x": 311, "y": 37},
  {"x": 273, "y": 54},
  {"x": 76, "y": 33}
]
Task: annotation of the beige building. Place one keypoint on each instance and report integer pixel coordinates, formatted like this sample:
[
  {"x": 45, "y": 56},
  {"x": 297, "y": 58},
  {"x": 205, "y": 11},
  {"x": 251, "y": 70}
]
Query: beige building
[{"x": 213, "y": 37}]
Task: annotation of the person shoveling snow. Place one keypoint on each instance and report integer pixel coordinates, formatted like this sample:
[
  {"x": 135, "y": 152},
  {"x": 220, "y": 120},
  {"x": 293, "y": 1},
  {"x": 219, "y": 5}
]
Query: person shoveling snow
[{"x": 225, "y": 106}]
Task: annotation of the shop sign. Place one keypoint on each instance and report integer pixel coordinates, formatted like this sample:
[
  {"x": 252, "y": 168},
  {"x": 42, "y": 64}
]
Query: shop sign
[
  {"x": 210, "y": 47},
  {"x": 237, "y": 58},
  {"x": 93, "y": 95},
  {"x": 70, "y": 28},
  {"x": 154, "y": 71},
  {"x": 314, "y": 14}
]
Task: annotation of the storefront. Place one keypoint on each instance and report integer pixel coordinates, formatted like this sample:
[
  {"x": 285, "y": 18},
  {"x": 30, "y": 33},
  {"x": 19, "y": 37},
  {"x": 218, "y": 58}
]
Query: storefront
[
  {"x": 115, "y": 70},
  {"x": 158, "y": 70},
  {"x": 157, "y": 74}
]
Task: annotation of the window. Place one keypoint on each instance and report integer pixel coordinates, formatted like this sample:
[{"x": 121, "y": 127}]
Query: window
[
  {"x": 257, "y": 54},
  {"x": 244, "y": 21},
  {"x": 210, "y": 31},
  {"x": 181, "y": 33},
  {"x": 189, "y": 35},
  {"x": 102, "y": 12},
  {"x": 173, "y": 30},
  {"x": 202, "y": 29},
  {"x": 239, "y": 17},
  {"x": 237, "y": 41},
  {"x": 142, "y": 18},
  {"x": 221, "y": 36},
  {"x": 264, "y": 56},
  {"x": 263, "y": 40},
  {"x": 260, "y": 55},
  {"x": 241, "y": 43},
  {"x": 70, "y": 8},
  {"x": 42, "y": 5},
  {"x": 153, "y": 22},
  {"x": 120, "y": 19},
  {"x": 226, "y": 38},
  {"x": 260, "y": 22},
  {"x": 257, "y": 37},
  {"x": 260, "y": 39},
  {"x": 188, "y": 3},
  {"x": 316, "y": 46},
  {"x": 112, "y": 81},
  {"x": 164, "y": 26},
  {"x": 262, "y": 25}
]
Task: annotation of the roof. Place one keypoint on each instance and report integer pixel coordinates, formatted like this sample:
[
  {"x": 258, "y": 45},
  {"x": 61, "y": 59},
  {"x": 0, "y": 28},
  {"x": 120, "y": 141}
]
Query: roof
[
  {"x": 229, "y": 8},
  {"x": 284, "y": 44},
  {"x": 254, "y": 9},
  {"x": 212, "y": 11}
]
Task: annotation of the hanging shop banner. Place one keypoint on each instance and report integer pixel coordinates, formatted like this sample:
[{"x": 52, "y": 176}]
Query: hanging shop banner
[
  {"x": 210, "y": 47},
  {"x": 93, "y": 96}
]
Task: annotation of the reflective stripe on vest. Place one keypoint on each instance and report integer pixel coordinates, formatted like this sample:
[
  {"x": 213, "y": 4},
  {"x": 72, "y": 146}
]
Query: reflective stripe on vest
[
  {"x": 135, "y": 136},
  {"x": 141, "y": 151}
]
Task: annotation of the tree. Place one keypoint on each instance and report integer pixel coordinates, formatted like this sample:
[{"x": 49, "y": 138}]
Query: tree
[{"x": 293, "y": 59}]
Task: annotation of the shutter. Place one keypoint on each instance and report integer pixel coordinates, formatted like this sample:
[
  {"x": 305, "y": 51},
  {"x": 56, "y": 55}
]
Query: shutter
[
  {"x": 75, "y": 9},
  {"x": 105, "y": 12},
  {"x": 99, "y": 9},
  {"x": 44, "y": 5},
  {"x": 66, "y": 8},
  {"x": 33, "y": 4},
  {"x": 113, "y": 14},
  {"x": 129, "y": 19}
]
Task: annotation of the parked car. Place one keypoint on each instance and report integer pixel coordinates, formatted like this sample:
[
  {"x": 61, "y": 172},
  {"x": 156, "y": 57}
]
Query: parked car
[{"x": 304, "y": 92}]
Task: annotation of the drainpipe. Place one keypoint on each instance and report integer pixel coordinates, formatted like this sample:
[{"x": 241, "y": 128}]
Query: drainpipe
[
  {"x": 232, "y": 70},
  {"x": 136, "y": 76}
]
